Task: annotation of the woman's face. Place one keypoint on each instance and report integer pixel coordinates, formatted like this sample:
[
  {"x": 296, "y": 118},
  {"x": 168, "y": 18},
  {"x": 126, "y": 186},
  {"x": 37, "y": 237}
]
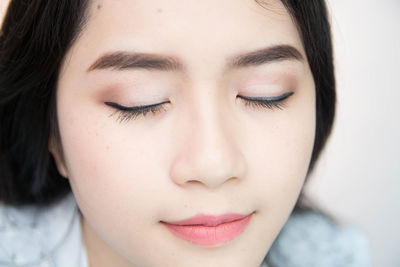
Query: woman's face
[{"x": 204, "y": 152}]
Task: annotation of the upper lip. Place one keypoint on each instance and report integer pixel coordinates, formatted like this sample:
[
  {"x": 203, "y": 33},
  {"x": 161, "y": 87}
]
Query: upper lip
[{"x": 210, "y": 220}]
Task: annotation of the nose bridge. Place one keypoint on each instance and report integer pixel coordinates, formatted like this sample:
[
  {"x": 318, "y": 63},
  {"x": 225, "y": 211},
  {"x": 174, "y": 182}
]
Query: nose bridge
[{"x": 209, "y": 153}]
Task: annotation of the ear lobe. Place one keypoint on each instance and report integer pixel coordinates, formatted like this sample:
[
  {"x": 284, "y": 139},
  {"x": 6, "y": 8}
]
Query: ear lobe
[{"x": 58, "y": 159}]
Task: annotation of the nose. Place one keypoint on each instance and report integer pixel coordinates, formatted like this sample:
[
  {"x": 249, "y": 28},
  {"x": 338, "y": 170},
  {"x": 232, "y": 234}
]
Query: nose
[{"x": 208, "y": 151}]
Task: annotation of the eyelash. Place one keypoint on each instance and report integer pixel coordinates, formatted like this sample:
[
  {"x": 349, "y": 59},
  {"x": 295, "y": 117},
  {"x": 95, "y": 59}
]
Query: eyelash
[
  {"x": 130, "y": 113},
  {"x": 267, "y": 102}
]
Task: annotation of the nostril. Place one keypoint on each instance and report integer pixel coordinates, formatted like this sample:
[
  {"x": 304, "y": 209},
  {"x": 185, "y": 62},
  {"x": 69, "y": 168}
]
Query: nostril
[
  {"x": 194, "y": 182},
  {"x": 209, "y": 183},
  {"x": 232, "y": 179}
]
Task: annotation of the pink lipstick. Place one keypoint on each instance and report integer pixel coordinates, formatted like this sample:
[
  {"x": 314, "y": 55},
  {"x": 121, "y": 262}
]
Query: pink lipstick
[{"x": 210, "y": 230}]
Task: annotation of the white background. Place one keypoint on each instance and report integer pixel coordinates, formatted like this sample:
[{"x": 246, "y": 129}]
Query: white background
[{"x": 358, "y": 176}]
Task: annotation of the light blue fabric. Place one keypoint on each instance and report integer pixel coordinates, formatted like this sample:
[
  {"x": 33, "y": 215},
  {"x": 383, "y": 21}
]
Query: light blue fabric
[
  {"x": 37, "y": 237},
  {"x": 52, "y": 237},
  {"x": 310, "y": 239}
]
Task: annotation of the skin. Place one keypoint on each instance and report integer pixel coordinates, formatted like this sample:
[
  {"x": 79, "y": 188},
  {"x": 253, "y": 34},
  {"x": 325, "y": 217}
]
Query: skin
[
  {"x": 207, "y": 152},
  {"x": 3, "y": 7}
]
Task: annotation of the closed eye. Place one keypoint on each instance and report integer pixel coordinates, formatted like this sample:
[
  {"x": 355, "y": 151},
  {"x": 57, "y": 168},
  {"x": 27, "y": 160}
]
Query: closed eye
[
  {"x": 129, "y": 113},
  {"x": 266, "y": 102}
]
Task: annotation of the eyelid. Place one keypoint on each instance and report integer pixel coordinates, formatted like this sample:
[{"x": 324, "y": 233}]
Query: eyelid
[
  {"x": 129, "y": 113},
  {"x": 269, "y": 98},
  {"x": 124, "y": 108},
  {"x": 266, "y": 102}
]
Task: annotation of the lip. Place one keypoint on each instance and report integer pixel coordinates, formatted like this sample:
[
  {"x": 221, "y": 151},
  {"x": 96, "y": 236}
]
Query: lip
[{"x": 209, "y": 230}]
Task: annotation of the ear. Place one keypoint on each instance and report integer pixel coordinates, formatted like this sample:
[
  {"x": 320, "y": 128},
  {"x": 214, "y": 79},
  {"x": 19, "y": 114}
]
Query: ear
[{"x": 58, "y": 158}]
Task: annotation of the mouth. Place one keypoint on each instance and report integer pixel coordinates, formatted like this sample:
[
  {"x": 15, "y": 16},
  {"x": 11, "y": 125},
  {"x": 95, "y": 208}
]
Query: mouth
[{"x": 208, "y": 230}]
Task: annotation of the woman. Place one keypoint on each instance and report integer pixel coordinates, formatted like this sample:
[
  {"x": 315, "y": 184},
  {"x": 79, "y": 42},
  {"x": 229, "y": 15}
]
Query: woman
[{"x": 182, "y": 127}]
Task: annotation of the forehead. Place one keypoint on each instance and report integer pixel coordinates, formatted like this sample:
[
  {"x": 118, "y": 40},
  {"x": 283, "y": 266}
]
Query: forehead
[{"x": 189, "y": 29}]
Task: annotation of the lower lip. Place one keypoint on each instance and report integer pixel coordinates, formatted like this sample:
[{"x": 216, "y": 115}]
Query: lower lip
[{"x": 210, "y": 235}]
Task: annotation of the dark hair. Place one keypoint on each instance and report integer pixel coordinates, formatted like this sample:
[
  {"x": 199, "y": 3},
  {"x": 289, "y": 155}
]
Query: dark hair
[{"x": 34, "y": 39}]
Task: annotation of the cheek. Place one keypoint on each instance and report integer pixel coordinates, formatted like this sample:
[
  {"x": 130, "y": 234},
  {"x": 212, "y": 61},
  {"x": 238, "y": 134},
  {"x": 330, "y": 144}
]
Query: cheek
[
  {"x": 281, "y": 151},
  {"x": 111, "y": 171}
]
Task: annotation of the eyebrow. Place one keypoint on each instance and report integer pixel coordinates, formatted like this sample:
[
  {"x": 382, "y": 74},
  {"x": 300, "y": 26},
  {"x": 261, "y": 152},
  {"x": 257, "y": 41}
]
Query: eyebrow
[
  {"x": 264, "y": 56},
  {"x": 123, "y": 60}
]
